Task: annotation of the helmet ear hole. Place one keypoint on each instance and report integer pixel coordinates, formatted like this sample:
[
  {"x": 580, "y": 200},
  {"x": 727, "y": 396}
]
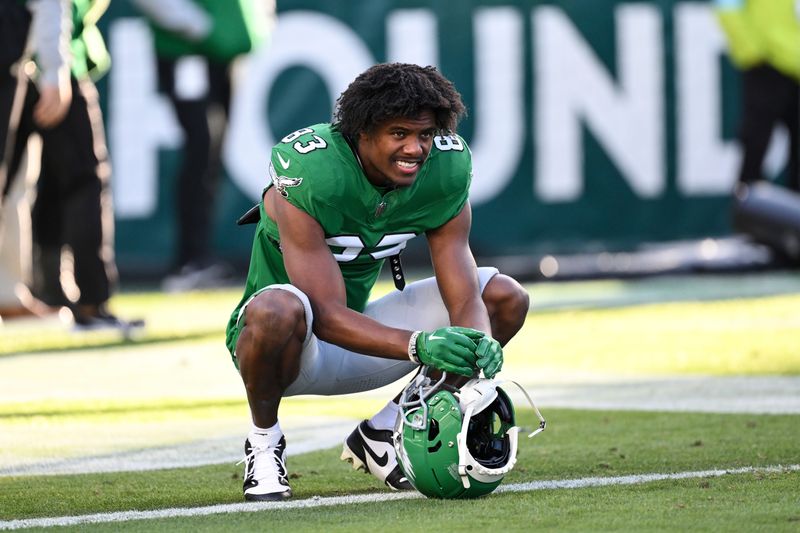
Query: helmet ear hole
[
  {"x": 433, "y": 429},
  {"x": 433, "y": 432}
]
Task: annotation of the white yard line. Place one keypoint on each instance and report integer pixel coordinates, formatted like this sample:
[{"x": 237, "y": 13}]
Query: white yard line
[{"x": 126, "y": 516}]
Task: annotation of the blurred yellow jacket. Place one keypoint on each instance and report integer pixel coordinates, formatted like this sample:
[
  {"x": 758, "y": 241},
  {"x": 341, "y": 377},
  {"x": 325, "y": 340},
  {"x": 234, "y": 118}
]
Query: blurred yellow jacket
[
  {"x": 762, "y": 31},
  {"x": 90, "y": 57}
]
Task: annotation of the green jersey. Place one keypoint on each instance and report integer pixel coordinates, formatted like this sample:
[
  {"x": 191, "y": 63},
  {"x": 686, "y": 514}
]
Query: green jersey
[
  {"x": 316, "y": 170},
  {"x": 237, "y": 28}
]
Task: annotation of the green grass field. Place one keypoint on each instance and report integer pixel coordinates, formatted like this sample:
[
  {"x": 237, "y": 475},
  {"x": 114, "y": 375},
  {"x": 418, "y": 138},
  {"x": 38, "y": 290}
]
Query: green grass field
[{"x": 65, "y": 397}]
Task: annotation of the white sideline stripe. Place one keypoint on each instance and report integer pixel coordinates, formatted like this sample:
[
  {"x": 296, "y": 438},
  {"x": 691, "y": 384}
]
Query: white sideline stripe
[
  {"x": 635, "y": 479},
  {"x": 316, "y": 501}
]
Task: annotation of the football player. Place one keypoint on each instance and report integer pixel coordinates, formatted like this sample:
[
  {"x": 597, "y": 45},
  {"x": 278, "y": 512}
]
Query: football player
[{"x": 342, "y": 198}]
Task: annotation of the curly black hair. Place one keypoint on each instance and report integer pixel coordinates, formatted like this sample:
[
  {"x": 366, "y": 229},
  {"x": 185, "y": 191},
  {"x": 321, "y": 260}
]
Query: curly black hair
[{"x": 394, "y": 90}]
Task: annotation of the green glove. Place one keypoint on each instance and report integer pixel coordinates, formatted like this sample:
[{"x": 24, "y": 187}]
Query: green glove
[
  {"x": 490, "y": 356},
  {"x": 448, "y": 349},
  {"x": 489, "y": 352}
]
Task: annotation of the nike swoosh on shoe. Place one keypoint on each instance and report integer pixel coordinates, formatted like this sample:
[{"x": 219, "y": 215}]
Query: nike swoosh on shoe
[{"x": 380, "y": 460}]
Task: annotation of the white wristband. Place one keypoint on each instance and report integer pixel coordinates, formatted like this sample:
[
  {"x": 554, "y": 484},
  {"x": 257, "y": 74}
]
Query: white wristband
[{"x": 412, "y": 348}]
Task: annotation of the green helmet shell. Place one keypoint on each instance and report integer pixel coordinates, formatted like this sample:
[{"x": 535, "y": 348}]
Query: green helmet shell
[{"x": 446, "y": 456}]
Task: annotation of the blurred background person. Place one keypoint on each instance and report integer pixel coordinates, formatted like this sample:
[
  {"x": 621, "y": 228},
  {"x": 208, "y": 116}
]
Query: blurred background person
[
  {"x": 196, "y": 43},
  {"x": 71, "y": 218},
  {"x": 49, "y": 42},
  {"x": 764, "y": 43}
]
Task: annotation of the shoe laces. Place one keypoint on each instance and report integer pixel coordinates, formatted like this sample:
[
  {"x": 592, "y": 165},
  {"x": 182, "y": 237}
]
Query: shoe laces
[{"x": 273, "y": 464}]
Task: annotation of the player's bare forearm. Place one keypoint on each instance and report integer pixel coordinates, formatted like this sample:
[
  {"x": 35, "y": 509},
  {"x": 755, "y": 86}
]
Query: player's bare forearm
[
  {"x": 359, "y": 333},
  {"x": 457, "y": 273}
]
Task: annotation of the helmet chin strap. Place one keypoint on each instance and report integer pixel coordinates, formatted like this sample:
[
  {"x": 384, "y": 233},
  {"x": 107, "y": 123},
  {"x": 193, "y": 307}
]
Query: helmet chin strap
[{"x": 542, "y": 421}]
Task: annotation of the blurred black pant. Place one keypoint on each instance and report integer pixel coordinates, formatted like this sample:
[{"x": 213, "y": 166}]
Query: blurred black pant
[
  {"x": 73, "y": 201},
  {"x": 769, "y": 98},
  {"x": 8, "y": 89},
  {"x": 203, "y": 120}
]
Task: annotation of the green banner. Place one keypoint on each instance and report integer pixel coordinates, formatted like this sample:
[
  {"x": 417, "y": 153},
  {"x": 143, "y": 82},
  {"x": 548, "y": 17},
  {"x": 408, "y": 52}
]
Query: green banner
[{"x": 593, "y": 125}]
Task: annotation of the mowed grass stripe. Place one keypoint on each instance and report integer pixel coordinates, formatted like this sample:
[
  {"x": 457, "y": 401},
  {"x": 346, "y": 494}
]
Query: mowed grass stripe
[
  {"x": 126, "y": 516},
  {"x": 756, "y": 334}
]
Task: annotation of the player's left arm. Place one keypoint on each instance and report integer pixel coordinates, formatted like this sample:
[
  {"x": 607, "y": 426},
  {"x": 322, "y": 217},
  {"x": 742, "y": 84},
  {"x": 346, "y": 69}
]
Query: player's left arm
[
  {"x": 457, "y": 276},
  {"x": 456, "y": 272}
]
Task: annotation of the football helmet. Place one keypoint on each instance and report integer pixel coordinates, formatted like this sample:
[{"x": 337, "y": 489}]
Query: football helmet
[{"x": 457, "y": 443}]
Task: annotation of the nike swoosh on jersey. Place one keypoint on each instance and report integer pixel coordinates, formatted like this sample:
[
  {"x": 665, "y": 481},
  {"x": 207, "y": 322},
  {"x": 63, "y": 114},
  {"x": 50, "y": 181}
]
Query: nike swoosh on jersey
[
  {"x": 284, "y": 163},
  {"x": 380, "y": 460}
]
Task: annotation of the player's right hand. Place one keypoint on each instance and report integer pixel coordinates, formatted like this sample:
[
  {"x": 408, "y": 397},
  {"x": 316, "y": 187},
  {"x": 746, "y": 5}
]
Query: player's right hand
[{"x": 448, "y": 349}]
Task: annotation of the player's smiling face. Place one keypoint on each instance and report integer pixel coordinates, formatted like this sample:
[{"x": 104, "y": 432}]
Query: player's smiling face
[{"x": 394, "y": 152}]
